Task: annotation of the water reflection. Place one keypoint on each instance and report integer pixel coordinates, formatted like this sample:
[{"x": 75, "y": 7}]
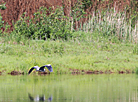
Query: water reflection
[
  {"x": 69, "y": 88},
  {"x": 39, "y": 98}
]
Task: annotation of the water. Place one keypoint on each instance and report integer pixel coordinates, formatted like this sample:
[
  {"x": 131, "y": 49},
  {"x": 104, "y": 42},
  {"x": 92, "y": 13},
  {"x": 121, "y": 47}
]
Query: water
[{"x": 69, "y": 88}]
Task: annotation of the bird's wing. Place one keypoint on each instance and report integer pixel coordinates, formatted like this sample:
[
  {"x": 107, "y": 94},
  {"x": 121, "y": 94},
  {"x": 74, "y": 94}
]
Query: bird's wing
[
  {"x": 42, "y": 98},
  {"x": 30, "y": 97},
  {"x": 50, "y": 99},
  {"x": 31, "y": 70},
  {"x": 49, "y": 67},
  {"x": 42, "y": 68}
]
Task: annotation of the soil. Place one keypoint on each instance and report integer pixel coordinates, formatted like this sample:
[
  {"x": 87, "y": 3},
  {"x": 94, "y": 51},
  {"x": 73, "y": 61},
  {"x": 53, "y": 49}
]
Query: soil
[
  {"x": 16, "y": 73},
  {"x": 73, "y": 72}
]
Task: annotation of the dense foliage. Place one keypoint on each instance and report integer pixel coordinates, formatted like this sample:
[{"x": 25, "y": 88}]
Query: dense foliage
[
  {"x": 53, "y": 26},
  {"x": 3, "y": 7}
]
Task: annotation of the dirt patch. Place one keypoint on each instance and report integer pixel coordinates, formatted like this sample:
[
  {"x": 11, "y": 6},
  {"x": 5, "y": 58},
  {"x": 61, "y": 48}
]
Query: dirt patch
[
  {"x": 125, "y": 71},
  {"x": 43, "y": 73},
  {"x": 76, "y": 71},
  {"x": 73, "y": 72},
  {"x": 0, "y": 73},
  {"x": 40, "y": 73},
  {"x": 16, "y": 73}
]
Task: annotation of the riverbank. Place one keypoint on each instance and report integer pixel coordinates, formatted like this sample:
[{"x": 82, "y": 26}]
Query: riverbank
[{"x": 96, "y": 56}]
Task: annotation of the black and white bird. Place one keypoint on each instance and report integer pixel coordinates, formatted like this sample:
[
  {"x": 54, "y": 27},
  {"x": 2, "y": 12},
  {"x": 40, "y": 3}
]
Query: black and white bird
[
  {"x": 41, "y": 69},
  {"x": 39, "y": 98}
]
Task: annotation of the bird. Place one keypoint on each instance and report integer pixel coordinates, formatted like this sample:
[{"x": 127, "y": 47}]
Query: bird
[
  {"x": 39, "y": 98},
  {"x": 41, "y": 69}
]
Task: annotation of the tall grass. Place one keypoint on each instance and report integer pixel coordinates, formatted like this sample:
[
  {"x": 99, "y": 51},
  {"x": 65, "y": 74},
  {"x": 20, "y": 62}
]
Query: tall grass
[{"x": 112, "y": 24}]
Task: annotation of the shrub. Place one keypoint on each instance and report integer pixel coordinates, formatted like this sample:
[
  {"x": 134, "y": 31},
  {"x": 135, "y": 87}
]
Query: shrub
[
  {"x": 1, "y": 24},
  {"x": 3, "y": 7},
  {"x": 43, "y": 26}
]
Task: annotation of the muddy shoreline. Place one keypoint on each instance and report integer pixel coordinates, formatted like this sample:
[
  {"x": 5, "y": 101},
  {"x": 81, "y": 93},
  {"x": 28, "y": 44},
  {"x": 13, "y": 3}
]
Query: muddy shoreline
[{"x": 72, "y": 71}]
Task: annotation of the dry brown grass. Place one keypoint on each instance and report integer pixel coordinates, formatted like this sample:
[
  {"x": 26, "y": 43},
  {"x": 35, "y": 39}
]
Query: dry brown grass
[{"x": 15, "y": 8}]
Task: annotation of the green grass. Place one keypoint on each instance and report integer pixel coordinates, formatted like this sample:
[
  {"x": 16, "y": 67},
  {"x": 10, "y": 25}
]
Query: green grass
[
  {"x": 107, "y": 41},
  {"x": 97, "y": 54}
]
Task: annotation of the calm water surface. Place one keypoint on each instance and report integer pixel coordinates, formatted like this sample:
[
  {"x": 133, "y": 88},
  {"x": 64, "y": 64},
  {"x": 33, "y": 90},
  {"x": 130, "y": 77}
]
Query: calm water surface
[{"x": 69, "y": 88}]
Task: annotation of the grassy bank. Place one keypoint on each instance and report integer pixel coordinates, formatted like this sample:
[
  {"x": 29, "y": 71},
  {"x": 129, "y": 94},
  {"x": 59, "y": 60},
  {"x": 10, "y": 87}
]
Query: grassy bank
[
  {"x": 99, "y": 54},
  {"x": 106, "y": 43}
]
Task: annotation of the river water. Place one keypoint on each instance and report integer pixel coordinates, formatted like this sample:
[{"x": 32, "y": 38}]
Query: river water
[{"x": 69, "y": 88}]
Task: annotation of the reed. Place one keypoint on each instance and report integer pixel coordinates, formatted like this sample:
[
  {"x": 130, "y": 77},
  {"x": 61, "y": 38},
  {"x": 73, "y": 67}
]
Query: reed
[{"x": 112, "y": 24}]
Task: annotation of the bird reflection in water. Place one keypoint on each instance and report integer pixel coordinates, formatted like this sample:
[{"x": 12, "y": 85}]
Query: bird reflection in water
[{"x": 39, "y": 98}]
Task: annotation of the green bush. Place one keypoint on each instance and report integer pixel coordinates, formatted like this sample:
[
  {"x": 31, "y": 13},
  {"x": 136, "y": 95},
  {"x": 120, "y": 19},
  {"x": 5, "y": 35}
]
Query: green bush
[
  {"x": 43, "y": 26},
  {"x": 3, "y": 7},
  {"x": 1, "y": 24}
]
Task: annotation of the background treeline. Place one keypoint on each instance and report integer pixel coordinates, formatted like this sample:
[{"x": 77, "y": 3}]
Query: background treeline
[{"x": 69, "y": 19}]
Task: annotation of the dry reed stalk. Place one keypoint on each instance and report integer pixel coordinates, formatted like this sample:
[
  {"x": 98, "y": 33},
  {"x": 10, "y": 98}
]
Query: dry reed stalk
[
  {"x": 113, "y": 21},
  {"x": 135, "y": 32}
]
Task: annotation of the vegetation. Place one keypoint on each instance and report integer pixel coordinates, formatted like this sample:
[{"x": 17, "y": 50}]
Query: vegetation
[
  {"x": 97, "y": 55},
  {"x": 111, "y": 24},
  {"x": 107, "y": 42},
  {"x": 2, "y": 6},
  {"x": 53, "y": 26}
]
